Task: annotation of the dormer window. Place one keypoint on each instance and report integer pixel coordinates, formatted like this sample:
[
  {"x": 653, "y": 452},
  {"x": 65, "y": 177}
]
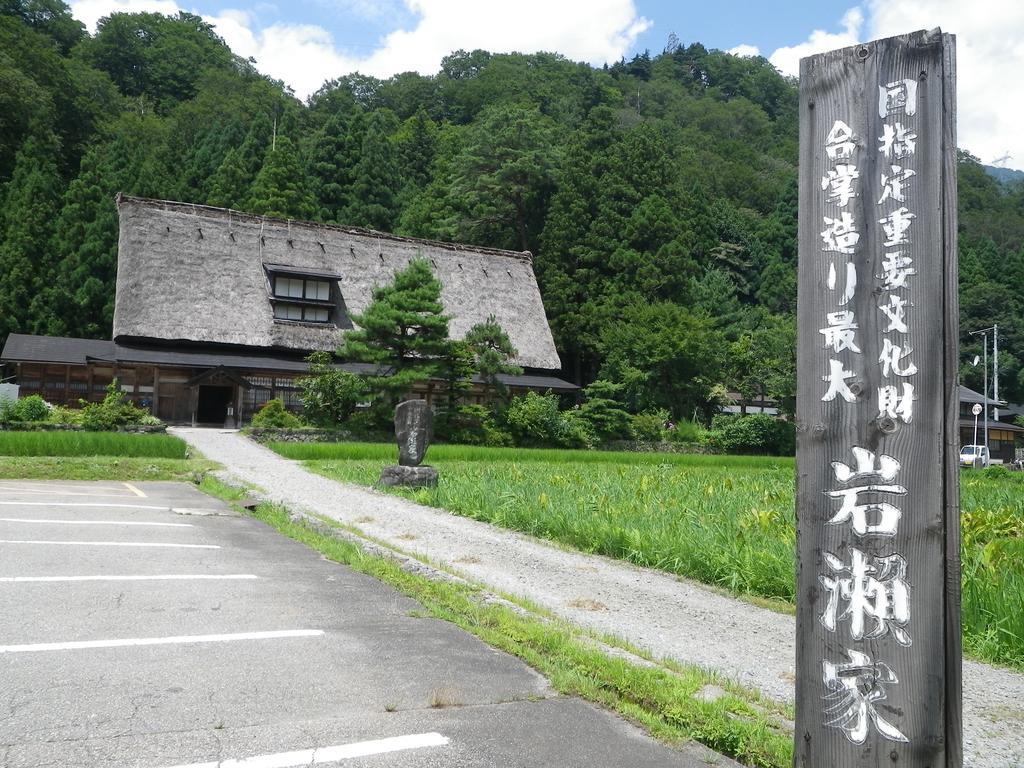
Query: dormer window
[
  {"x": 297, "y": 288},
  {"x": 302, "y": 295}
]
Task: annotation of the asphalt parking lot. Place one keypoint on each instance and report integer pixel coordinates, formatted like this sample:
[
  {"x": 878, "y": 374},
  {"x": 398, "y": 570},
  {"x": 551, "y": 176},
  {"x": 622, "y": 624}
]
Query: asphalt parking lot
[{"x": 148, "y": 625}]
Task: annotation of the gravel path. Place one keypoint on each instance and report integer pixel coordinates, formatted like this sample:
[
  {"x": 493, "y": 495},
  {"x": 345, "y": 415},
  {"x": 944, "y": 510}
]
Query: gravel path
[{"x": 667, "y": 616}]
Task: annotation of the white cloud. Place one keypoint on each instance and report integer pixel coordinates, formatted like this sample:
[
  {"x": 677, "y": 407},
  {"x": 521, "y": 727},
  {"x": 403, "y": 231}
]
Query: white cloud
[
  {"x": 304, "y": 56},
  {"x": 787, "y": 59},
  {"x": 990, "y": 66},
  {"x": 990, "y": 62},
  {"x": 596, "y": 31},
  {"x": 745, "y": 50},
  {"x": 91, "y": 11}
]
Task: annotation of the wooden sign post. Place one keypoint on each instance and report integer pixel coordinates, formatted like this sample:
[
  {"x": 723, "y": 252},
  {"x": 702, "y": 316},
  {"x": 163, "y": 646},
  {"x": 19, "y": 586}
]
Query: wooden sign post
[{"x": 878, "y": 568}]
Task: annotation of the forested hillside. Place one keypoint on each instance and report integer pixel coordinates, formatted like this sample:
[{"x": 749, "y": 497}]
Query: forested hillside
[{"x": 658, "y": 196}]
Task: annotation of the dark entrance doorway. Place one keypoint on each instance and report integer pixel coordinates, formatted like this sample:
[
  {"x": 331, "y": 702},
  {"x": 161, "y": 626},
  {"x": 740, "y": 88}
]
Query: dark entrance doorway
[{"x": 212, "y": 407}]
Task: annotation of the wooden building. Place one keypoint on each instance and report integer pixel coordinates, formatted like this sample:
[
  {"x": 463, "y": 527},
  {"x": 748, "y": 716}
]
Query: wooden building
[
  {"x": 215, "y": 310},
  {"x": 1004, "y": 437}
]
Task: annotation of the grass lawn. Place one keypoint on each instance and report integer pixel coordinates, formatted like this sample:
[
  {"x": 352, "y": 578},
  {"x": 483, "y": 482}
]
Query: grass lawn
[
  {"x": 96, "y": 456},
  {"x": 725, "y": 521},
  {"x": 68, "y": 443}
]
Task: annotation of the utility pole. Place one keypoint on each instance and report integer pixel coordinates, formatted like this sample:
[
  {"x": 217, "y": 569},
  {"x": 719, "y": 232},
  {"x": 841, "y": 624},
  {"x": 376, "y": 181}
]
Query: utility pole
[
  {"x": 995, "y": 371},
  {"x": 984, "y": 335},
  {"x": 986, "y": 398}
]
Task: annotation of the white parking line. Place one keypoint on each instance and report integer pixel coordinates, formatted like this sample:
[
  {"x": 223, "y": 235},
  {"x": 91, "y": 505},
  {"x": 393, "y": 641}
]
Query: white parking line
[
  {"x": 81, "y": 504},
  {"x": 110, "y": 544},
  {"x": 321, "y": 755},
  {"x": 182, "y": 639},
  {"x": 163, "y": 577},
  {"x": 90, "y": 522},
  {"x": 61, "y": 491}
]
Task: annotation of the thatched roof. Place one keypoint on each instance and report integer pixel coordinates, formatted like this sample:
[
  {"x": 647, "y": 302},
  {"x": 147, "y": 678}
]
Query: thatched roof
[{"x": 194, "y": 273}]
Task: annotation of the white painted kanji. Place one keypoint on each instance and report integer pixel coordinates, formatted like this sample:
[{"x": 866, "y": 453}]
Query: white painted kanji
[
  {"x": 849, "y": 287},
  {"x": 897, "y": 142},
  {"x": 893, "y": 184},
  {"x": 871, "y": 592},
  {"x": 895, "y": 310},
  {"x": 853, "y": 690},
  {"x": 840, "y": 234},
  {"x": 867, "y": 464},
  {"x": 896, "y": 405},
  {"x": 841, "y": 331},
  {"x": 898, "y": 96},
  {"x": 896, "y": 268},
  {"x": 897, "y": 227},
  {"x": 840, "y": 184},
  {"x": 840, "y": 144},
  {"x": 837, "y": 378},
  {"x": 892, "y": 357}
]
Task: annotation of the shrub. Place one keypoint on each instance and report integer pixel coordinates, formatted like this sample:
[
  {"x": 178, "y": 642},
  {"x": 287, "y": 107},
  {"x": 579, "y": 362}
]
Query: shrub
[
  {"x": 649, "y": 426},
  {"x": 574, "y": 431},
  {"x": 63, "y": 415},
  {"x": 534, "y": 420},
  {"x": 686, "y": 432},
  {"x": 475, "y": 425},
  {"x": 31, "y": 408},
  {"x": 274, "y": 415},
  {"x": 115, "y": 411},
  {"x": 756, "y": 433},
  {"x": 329, "y": 396},
  {"x": 997, "y": 472},
  {"x": 604, "y": 413}
]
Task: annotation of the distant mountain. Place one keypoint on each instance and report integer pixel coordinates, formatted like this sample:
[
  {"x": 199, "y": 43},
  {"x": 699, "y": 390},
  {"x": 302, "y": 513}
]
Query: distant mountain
[{"x": 1005, "y": 175}]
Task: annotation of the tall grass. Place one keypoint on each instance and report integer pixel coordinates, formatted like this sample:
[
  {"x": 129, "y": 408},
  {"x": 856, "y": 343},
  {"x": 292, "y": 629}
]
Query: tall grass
[
  {"x": 725, "y": 521},
  {"x": 473, "y": 453},
  {"x": 66, "y": 443}
]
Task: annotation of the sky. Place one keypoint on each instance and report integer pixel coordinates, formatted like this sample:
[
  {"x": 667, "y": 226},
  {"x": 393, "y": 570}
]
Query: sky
[{"x": 306, "y": 42}]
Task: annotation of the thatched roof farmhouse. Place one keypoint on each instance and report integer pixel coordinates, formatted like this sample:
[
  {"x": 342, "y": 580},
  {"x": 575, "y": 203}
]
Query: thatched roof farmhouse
[{"x": 216, "y": 309}]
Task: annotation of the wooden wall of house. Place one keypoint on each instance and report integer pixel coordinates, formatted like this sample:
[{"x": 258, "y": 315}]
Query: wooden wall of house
[{"x": 62, "y": 384}]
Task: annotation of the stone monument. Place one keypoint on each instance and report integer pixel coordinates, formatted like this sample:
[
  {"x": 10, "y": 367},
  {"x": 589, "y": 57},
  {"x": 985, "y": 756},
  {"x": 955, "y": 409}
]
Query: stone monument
[{"x": 414, "y": 429}]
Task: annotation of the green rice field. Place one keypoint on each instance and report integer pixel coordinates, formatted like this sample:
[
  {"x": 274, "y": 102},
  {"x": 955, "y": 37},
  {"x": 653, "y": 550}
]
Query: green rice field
[
  {"x": 726, "y": 521},
  {"x": 69, "y": 443}
]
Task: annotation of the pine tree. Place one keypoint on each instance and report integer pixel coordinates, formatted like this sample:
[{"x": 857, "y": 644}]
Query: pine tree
[
  {"x": 403, "y": 331},
  {"x": 280, "y": 187},
  {"x": 493, "y": 352}
]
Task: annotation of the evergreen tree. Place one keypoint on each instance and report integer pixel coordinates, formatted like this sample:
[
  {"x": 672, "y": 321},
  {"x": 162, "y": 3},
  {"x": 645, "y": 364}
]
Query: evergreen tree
[
  {"x": 333, "y": 159},
  {"x": 455, "y": 370},
  {"x": 375, "y": 178},
  {"x": 403, "y": 331},
  {"x": 504, "y": 175},
  {"x": 280, "y": 187},
  {"x": 493, "y": 353},
  {"x": 602, "y": 409},
  {"x": 417, "y": 145},
  {"x": 86, "y": 244},
  {"x": 229, "y": 185},
  {"x": 30, "y": 205}
]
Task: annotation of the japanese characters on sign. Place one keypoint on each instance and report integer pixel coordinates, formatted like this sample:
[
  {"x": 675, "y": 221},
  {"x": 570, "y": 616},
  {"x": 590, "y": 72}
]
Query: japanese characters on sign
[{"x": 866, "y": 588}]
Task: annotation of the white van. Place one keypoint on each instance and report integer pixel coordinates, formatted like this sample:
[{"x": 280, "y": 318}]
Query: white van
[{"x": 970, "y": 453}]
